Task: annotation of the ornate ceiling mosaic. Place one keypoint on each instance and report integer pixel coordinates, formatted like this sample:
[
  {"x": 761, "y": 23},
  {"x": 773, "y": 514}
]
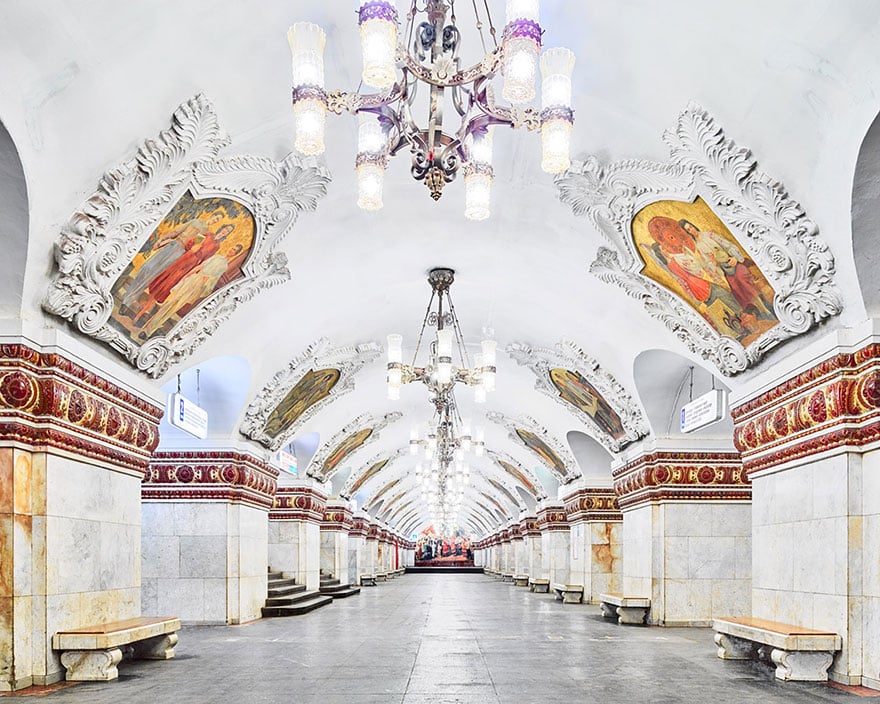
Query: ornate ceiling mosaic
[
  {"x": 175, "y": 238},
  {"x": 360, "y": 432},
  {"x": 526, "y": 431},
  {"x": 525, "y": 477},
  {"x": 309, "y": 383},
  {"x": 709, "y": 244},
  {"x": 574, "y": 379}
]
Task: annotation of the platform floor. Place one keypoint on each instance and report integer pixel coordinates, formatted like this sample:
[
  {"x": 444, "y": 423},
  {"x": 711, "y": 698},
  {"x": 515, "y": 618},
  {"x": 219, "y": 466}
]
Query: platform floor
[{"x": 446, "y": 638}]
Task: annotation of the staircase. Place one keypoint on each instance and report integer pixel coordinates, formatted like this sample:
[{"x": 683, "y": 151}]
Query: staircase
[
  {"x": 331, "y": 587},
  {"x": 287, "y": 598}
]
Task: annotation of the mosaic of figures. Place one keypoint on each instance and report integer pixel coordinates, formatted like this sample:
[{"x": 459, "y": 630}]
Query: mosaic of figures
[
  {"x": 580, "y": 393},
  {"x": 434, "y": 548},
  {"x": 314, "y": 386}
]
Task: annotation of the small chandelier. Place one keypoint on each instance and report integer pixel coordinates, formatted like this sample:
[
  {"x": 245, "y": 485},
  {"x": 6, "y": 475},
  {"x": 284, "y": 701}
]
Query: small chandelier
[
  {"x": 428, "y": 55},
  {"x": 448, "y": 438}
]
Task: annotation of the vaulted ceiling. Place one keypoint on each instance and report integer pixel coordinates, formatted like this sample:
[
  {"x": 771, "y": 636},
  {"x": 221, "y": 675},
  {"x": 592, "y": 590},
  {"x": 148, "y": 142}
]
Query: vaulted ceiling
[{"x": 83, "y": 84}]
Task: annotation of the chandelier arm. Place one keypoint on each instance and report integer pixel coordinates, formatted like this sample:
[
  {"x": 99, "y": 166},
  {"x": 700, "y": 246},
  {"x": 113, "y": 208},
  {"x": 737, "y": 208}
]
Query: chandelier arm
[
  {"x": 422, "y": 331},
  {"x": 486, "y": 68},
  {"x": 339, "y": 101}
]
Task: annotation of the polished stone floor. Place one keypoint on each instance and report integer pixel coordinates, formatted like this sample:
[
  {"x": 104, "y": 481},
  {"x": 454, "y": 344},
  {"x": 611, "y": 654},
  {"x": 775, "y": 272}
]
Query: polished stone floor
[{"x": 447, "y": 638}]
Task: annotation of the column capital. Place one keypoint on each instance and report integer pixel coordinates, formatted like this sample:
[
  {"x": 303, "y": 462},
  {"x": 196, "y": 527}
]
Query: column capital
[
  {"x": 592, "y": 504},
  {"x": 298, "y": 503},
  {"x": 828, "y": 408},
  {"x": 528, "y": 526},
  {"x": 337, "y": 516},
  {"x": 552, "y": 518},
  {"x": 234, "y": 477},
  {"x": 681, "y": 476},
  {"x": 53, "y": 404}
]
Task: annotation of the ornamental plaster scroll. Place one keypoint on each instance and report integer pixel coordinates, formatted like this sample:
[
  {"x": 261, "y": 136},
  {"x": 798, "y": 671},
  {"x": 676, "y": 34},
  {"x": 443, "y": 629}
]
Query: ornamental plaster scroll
[
  {"x": 566, "y": 354},
  {"x": 319, "y": 355},
  {"x": 771, "y": 226},
  {"x": 569, "y": 470},
  {"x": 108, "y": 230},
  {"x": 356, "y": 478},
  {"x": 534, "y": 486},
  {"x": 365, "y": 421}
]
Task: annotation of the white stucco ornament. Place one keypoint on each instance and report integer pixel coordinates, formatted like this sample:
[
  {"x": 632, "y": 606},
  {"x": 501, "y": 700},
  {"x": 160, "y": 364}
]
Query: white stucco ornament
[
  {"x": 713, "y": 307},
  {"x": 109, "y": 232}
]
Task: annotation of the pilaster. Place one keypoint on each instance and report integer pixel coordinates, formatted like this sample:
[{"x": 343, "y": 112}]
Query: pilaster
[
  {"x": 555, "y": 542},
  {"x": 295, "y": 530},
  {"x": 335, "y": 526},
  {"x": 596, "y": 526}
]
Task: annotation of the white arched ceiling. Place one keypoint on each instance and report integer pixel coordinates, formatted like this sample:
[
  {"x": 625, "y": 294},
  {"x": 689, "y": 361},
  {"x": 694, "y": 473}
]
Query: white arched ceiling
[
  {"x": 219, "y": 386},
  {"x": 866, "y": 217},
  {"x": 13, "y": 226},
  {"x": 592, "y": 458},
  {"x": 358, "y": 276},
  {"x": 666, "y": 381}
]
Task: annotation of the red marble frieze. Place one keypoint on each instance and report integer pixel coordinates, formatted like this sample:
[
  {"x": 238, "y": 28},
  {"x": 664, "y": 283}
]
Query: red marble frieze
[
  {"x": 552, "y": 519},
  {"x": 337, "y": 518},
  {"x": 529, "y": 527},
  {"x": 358, "y": 527},
  {"x": 681, "y": 476},
  {"x": 210, "y": 476},
  {"x": 593, "y": 504},
  {"x": 832, "y": 405},
  {"x": 48, "y": 401},
  {"x": 298, "y": 504}
]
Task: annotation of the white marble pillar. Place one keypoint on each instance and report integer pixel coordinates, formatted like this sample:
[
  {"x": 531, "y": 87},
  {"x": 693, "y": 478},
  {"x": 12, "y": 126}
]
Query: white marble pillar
[
  {"x": 357, "y": 547},
  {"x": 533, "y": 547},
  {"x": 205, "y": 535},
  {"x": 295, "y": 530},
  {"x": 505, "y": 550},
  {"x": 596, "y": 527},
  {"x": 517, "y": 550},
  {"x": 335, "y": 527},
  {"x": 686, "y": 531},
  {"x": 371, "y": 554},
  {"x": 810, "y": 443},
  {"x": 555, "y": 545},
  {"x": 74, "y": 446}
]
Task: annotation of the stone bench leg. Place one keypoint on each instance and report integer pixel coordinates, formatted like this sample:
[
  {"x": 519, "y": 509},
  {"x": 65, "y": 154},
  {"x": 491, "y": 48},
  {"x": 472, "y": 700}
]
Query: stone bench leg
[
  {"x": 572, "y": 597},
  {"x": 542, "y": 588},
  {"x": 804, "y": 666},
  {"x": 733, "y": 648},
  {"x": 631, "y": 615},
  {"x": 156, "y": 648},
  {"x": 91, "y": 665},
  {"x": 608, "y": 610}
]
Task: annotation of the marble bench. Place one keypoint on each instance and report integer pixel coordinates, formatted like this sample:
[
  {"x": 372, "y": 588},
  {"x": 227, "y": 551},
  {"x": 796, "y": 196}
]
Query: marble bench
[
  {"x": 802, "y": 654},
  {"x": 91, "y": 653},
  {"x": 632, "y": 610},
  {"x": 569, "y": 593},
  {"x": 507, "y": 578},
  {"x": 520, "y": 580},
  {"x": 539, "y": 586},
  {"x": 380, "y": 577},
  {"x": 368, "y": 580}
]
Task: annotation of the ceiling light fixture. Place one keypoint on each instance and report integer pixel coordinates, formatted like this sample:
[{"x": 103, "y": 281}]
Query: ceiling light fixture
[{"x": 429, "y": 55}]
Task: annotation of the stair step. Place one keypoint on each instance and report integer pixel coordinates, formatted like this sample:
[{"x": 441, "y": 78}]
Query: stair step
[
  {"x": 326, "y": 581},
  {"x": 342, "y": 591},
  {"x": 302, "y": 607},
  {"x": 282, "y": 582},
  {"x": 275, "y": 575},
  {"x": 292, "y": 598},
  {"x": 286, "y": 591}
]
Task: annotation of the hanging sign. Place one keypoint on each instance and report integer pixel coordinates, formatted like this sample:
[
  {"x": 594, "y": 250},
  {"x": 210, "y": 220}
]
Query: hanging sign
[
  {"x": 285, "y": 461},
  {"x": 705, "y": 410},
  {"x": 187, "y": 416}
]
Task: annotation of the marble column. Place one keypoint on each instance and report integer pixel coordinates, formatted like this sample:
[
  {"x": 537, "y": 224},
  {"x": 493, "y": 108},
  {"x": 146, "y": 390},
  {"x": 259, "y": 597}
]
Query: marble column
[
  {"x": 205, "y": 518},
  {"x": 504, "y": 549},
  {"x": 295, "y": 529},
  {"x": 371, "y": 562},
  {"x": 528, "y": 526},
  {"x": 810, "y": 443},
  {"x": 686, "y": 531},
  {"x": 517, "y": 550},
  {"x": 357, "y": 547},
  {"x": 555, "y": 542},
  {"x": 74, "y": 446},
  {"x": 596, "y": 527},
  {"x": 335, "y": 527}
]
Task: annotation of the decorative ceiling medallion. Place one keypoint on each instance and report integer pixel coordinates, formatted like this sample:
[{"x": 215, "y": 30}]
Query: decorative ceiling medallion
[
  {"x": 359, "y": 478},
  {"x": 709, "y": 244},
  {"x": 525, "y": 430},
  {"x": 576, "y": 380},
  {"x": 308, "y": 384},
  {"x": 361, "y": 431},
  {"x": 524, "y": 476},
  {"x": 175, "y": 238}
]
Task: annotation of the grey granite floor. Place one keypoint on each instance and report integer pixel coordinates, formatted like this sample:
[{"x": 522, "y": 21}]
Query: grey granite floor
[{"x": 447, "y": 638}]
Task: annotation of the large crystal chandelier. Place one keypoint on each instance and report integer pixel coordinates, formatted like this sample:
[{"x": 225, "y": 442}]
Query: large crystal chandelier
[
  {"x": 449, "y": 438},
  {"x": 427, "y": 54}
]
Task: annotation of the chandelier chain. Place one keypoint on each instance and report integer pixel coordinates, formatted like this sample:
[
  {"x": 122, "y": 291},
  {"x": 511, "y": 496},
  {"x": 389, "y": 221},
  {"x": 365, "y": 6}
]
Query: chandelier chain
[{"x": 422, "y": 331}]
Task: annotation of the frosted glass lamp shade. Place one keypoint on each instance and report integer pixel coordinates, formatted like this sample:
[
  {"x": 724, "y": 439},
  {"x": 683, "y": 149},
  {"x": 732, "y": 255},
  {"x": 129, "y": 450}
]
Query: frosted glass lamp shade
[
  {"x": 370, "y": 180},
  {"x": 378, "y": 26},
  {"x": 395, "y": 348},
  {"x": 557, "y": 66},
  {"x": 309, "y": 117},
  {"x": 556, "y": 145},
  {"x": 307, "y": 42},
  {"x": 522, "y": 10}
]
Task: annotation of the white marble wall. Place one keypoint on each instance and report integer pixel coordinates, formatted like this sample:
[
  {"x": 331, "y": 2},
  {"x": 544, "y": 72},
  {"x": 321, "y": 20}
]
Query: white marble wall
[
  {"x": 334, "y": 554},
  {"x": 204, "y": 562},
  {"x": 556, "y": 556},
  {"x": 692, "y": 559},
  {"x": 816, "y": 557},
  {"x": 357, "y": 546},
  {"x": 520, "y": 561},
  {"x": 506, "y": 557},
  {"x": 534, "y": 548},
  {"x": 77, "y": 557},
  {"x": 597, "y": 557},
  {"x": 295, "y": 549}
]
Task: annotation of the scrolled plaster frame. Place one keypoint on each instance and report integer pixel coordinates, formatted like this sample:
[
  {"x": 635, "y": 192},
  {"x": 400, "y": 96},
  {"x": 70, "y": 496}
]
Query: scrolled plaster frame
[
  {"x": 771, "y": 226},
  {"x": 354, "y": 477},
  {"x": 363, "y": 421},
  {"x": 566, "y": 354},
  {"x": 319, "y": 355},
  {"x": 497, "y": 456},
  {"x": 102, "y": 236},
  {"x": 526, "y": 422}
]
